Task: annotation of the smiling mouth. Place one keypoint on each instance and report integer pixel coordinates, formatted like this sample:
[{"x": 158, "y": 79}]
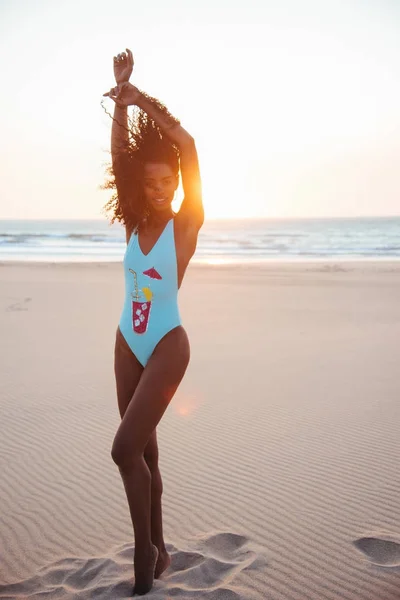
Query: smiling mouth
[{"x": 160, "y": 200}]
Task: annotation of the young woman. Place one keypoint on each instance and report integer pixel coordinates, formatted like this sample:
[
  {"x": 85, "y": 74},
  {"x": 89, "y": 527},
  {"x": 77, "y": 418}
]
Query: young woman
[{"x": 151, "y": 348}]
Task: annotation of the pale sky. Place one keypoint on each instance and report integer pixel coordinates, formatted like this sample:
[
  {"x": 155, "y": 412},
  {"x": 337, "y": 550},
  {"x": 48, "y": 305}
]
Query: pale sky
[{"x": 294, "y": 105}]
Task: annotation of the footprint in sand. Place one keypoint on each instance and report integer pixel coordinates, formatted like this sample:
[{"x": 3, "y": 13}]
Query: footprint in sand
[
  {"x": 213, "y": 563},
  {"x": 19, "y": 305},
  {"x": 381, "y": 549}
]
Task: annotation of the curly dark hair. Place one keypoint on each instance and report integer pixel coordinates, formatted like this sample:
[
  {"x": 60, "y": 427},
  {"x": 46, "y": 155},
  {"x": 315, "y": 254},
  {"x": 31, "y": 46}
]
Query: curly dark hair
[{"x": 146, "y": 143}]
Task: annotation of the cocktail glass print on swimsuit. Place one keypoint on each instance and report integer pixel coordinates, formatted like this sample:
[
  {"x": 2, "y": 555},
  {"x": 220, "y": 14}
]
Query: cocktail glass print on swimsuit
[{"x": 141, "y": 301}]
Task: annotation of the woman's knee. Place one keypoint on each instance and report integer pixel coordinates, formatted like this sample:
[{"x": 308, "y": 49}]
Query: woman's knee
[
  {"x": 151, "y": 454},
  {"x": 122, "y": 453},
  {"x": 151, "y": 461},
  {"x": 156, "y": 482},
  {"x": 117, "y": 454},
  {"x": 151, "y": 458}
]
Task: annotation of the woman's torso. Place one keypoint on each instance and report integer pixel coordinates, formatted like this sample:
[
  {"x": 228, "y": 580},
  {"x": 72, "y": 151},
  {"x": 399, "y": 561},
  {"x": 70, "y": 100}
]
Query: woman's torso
[{"x": 150, "y": 308}]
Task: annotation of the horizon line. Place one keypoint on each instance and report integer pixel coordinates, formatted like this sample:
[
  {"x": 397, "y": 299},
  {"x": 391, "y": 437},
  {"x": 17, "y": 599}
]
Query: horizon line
[{"x": 243, "y": 218}]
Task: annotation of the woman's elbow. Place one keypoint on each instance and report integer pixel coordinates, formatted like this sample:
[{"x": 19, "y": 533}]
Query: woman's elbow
[{"x": 187, "y": 141}]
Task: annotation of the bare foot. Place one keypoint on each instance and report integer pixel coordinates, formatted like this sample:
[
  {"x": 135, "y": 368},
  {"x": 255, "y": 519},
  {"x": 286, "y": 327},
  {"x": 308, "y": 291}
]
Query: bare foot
[
  {"x": 163, "y": 562},
  {"x": 144, "y": 572}
]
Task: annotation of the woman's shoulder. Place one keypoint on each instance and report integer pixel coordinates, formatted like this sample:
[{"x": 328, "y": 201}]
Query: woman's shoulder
[{"x": 129, "y": 231}]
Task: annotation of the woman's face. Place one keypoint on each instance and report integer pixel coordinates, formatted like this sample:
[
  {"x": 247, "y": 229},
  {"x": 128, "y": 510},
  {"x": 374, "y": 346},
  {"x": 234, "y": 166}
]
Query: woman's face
[{"x": 160, "y": 183}]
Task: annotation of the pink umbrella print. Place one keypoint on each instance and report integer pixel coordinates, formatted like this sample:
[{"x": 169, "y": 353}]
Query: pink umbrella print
[{"x": 152, "y": 273}]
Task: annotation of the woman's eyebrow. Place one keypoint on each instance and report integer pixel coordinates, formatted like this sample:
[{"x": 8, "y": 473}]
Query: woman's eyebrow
[{"x": 152, "y": 178}]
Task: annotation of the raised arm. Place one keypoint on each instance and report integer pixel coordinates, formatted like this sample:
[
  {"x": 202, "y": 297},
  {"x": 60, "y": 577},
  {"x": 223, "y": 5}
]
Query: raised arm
[
  {"x": 123, "y": 66},
  {"x": 192, "y": 206},
  {"x": 119, "y": 131},
  {"x": 119, "y": 156}
]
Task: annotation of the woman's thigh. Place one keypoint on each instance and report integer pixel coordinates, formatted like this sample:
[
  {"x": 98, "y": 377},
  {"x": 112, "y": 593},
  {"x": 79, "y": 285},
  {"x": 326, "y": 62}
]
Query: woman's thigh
[
  {"x": 128, "y": 371},
  {"x": 154, "y": 391}
]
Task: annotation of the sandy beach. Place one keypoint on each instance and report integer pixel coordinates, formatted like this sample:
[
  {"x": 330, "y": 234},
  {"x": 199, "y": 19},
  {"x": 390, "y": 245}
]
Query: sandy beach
[{"x": 279, "y": 453}]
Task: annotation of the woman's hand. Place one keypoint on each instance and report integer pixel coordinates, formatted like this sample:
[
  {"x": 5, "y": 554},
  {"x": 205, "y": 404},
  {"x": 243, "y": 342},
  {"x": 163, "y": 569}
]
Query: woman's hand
[
  {"x": 123, "y": 66},
  {"x": 125, "y": 94}
]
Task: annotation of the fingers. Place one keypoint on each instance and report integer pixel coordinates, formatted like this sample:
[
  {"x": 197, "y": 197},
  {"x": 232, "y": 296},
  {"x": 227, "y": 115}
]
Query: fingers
[
  {"x": 113, "y": 93},
  {"x": 121, "y": 58},
  {"x": 130, "y": 57},
  {"x": 125, "y": 56},
  {"x": 114, "y": 98}
]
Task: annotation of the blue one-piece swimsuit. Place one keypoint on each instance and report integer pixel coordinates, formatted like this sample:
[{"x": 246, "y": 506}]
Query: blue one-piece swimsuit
[{"x": 150, "y": 309}]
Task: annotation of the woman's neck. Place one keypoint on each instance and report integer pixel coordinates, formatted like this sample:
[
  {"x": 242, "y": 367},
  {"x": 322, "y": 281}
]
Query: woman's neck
[{"x": 158, "y": 219}]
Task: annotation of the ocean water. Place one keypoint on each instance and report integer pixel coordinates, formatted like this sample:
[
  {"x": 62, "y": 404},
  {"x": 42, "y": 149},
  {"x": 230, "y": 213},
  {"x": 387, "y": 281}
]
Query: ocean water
[{"x": 222, "y": 241}]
